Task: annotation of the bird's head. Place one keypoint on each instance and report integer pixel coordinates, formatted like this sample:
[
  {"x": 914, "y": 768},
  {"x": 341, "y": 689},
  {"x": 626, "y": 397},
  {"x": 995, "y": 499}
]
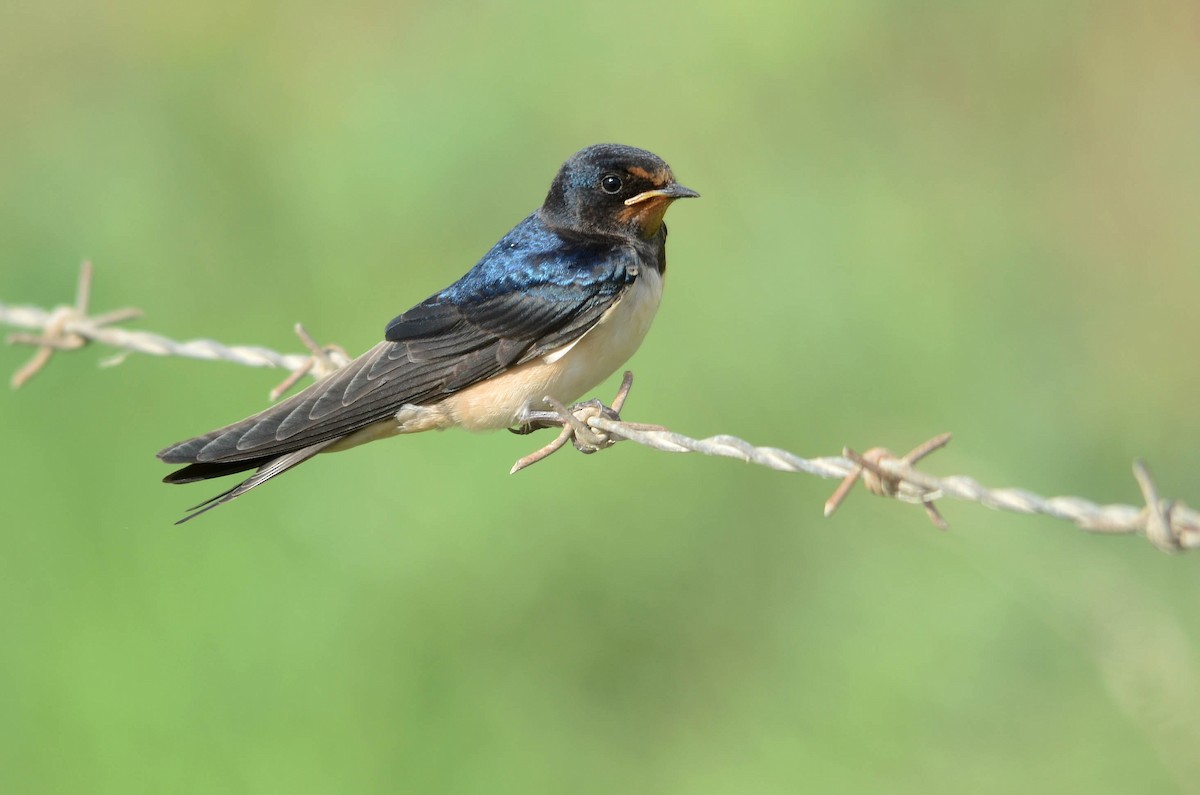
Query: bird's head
[{"x": 611, "y": 189}]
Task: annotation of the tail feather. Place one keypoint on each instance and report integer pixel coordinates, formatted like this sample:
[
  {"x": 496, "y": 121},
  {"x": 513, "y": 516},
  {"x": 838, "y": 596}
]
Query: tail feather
[
  {"x": 205, "y": 470},
  {"x": 266, "y": 470}
]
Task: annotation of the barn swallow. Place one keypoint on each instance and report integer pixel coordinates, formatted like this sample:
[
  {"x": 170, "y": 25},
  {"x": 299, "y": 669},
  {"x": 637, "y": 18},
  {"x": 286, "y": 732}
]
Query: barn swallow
[{"x": 553, "y": 309}]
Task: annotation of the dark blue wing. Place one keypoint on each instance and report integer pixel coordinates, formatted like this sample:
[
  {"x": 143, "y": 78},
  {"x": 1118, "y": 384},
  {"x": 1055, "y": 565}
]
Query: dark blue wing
[{"x": 532, "y": 293}]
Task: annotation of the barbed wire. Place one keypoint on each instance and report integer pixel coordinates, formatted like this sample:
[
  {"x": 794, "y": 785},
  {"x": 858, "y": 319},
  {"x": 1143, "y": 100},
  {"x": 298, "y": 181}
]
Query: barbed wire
[
  {"x": 66, "y": 328},
  {"x": 1169, "y": 525}
]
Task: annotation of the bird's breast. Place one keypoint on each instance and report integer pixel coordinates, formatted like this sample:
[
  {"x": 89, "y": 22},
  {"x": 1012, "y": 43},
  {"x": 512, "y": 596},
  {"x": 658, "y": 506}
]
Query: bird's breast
[{"x": 565, "y": 373}]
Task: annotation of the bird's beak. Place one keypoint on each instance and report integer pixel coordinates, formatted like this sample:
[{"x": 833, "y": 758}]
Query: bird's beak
[{"x": 671, "y": 191}]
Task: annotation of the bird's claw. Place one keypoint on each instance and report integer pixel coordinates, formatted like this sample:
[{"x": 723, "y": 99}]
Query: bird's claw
[{"x": 574, "y": 423}]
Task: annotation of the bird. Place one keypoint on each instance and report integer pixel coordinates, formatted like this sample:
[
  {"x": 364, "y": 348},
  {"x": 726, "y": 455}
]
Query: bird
[{"x": 554, "y": 308}]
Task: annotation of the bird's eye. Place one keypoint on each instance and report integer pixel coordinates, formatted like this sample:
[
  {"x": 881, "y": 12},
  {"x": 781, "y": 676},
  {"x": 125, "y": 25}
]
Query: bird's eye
[{"x": 610, "y": 183}]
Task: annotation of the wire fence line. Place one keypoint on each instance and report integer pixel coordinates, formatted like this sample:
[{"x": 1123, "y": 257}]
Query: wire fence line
[
  {"x": 70, "y": 327},
  {"x": 1169, "y": 525},
  {"x": 32, "y": 317}
]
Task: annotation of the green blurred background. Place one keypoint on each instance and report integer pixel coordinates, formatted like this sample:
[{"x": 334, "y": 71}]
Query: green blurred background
[{"x": 917, "y": 217}]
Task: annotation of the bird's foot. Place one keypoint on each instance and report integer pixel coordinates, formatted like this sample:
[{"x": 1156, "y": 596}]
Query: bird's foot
[{"x": 574, "y": 423}]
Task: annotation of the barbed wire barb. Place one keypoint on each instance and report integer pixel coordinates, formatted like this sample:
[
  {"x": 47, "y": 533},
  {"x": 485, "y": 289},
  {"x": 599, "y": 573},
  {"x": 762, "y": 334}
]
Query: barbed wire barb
[
  {"x": 69, "y": 328},
  {"x": 867, "y": 468},
  {"x": 1169, "y": 525}
]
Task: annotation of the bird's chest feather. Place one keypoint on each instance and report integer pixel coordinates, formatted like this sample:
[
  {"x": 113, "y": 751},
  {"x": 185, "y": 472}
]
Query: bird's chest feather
[{"x": 565, "y": 373}]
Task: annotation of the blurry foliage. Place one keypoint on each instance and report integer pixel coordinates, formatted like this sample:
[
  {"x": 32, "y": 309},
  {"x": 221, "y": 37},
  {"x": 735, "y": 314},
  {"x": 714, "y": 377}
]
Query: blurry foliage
[{"x": 917, "y": 217}]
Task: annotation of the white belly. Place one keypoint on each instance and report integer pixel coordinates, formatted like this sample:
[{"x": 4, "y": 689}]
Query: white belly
[{"x": 564, "y": 374}]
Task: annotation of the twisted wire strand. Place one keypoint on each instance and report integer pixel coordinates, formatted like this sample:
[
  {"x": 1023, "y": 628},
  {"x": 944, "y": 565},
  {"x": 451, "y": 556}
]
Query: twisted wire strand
[
  {"x": 36, "y": 318},
  {"x": 1169, "y": 525},
  {"x": 1184, "y": 522}
]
